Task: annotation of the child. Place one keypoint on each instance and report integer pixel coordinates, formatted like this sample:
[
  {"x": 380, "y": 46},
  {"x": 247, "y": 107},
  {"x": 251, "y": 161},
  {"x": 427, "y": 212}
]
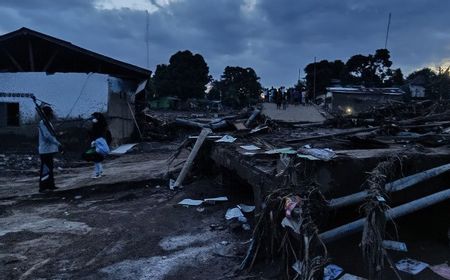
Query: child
[
  {"x": 97, "y": 153},
  {"x": 100, "y": 141}
]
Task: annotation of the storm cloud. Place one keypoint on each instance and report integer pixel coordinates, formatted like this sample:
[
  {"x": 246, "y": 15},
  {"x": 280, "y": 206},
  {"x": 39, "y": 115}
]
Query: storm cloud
[{"x": 276, "y": 38}]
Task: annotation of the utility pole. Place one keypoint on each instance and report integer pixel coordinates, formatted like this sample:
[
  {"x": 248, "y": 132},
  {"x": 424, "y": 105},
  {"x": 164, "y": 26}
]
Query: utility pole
[
  {"x": 147, "y": 38},
  {"x": 314, "y": 83},
  {"x": 387, "y": 31}
]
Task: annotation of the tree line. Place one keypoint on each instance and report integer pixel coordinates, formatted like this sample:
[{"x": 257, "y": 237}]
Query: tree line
[
  {"x": 374, "y": 70},
  {"x": 187, "y": 76}
]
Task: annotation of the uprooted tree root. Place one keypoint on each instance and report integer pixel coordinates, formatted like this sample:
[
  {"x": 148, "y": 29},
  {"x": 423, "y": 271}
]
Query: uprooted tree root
[
  {"x": 375, "y": 224},
  {"x": 303, "y": 248}
]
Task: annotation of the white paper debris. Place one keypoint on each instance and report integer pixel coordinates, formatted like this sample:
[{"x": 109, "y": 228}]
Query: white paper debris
[
  {"x": 233, "y": 213},
  {"x": 246, "y": 208},
  {"x": 394, "y": 245},
  {"x": 331, "y": 272},
  {"x": 250, "y": 147},
  {"x": 226, "y": 139},
  {"x": 190, "y": 202},
  {"x": 411, "y": 266}
]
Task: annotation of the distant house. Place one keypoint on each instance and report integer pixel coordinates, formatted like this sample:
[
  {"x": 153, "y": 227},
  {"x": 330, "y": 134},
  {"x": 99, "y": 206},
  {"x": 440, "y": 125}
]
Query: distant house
[
  {"x": 351, "y": 100},
  {"x": 74, "y": 80},
  {"x": 417, "y": 87}
]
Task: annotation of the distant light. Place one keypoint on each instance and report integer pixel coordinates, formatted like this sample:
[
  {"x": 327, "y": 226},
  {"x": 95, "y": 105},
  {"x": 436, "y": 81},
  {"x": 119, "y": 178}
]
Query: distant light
[
  {"x": 262, "y": 95},
  {"x": 348, "y": 110}
]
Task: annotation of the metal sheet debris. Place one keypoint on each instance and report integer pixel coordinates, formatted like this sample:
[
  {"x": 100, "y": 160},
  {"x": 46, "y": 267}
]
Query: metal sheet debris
[
  {"x": 411, "y": 266},
  {"x": 216, "y": 199},
  {"x": 331, "y": 272},
  {"x": 287, "y": 150},
  {"x": 442, "y": 270},
  {"x": 246, "y": 208},
  {"x": 226, "y": 139},
  {"x": 233, "y": 213},
  {"x": 123, "y": 149},
  {"x": 250, "y": 147},
  {"x": 323, "y": 154},
  {"x": 394, "y": 245},
  {"x": 190, "y": 202},
  {"x": 348, "y": 276}
]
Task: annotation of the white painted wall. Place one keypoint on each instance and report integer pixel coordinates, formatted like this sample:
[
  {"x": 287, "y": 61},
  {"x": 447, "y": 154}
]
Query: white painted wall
[{"x": 61, "y": 90}]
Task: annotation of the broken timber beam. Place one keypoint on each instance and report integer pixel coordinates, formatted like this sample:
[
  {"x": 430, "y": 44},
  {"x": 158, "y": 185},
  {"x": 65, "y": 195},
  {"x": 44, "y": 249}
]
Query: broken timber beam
[
  {"x": 252, "y": 117},
  {"x": 187, "y": 165},
  {"x": 394, "y": 186},
  {"x": 354, "y": 131},
  {"x": 393, "y": 213}
]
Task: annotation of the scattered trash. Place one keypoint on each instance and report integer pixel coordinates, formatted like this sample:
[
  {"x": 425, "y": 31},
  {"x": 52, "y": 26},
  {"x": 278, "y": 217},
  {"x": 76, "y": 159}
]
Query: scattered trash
[
  {"x": 226, "y": 139},
  {"x": 287, "y": 150},
  {"x": 246, "y": 208},
  {"x": 250, "y": 147},
  {"x": 224, "y": 243},
  {"x": 411, "y": 266},
  {"x": 217, "y": 227},
  {"x": 233, "y": 213},
  {"x": 78, "y": 197},
  {"x": 348, "y": 276},
  {"x": 258, "y": 129},
  {"x": 242, "y": 219},
  {"x": 442, "y": 270},
  {"x": 216, "y": 199},
  {"x": 172, "y": 186},
  {"x": 249, "y": 153},
  {"x": 308, "y": 157},
  {"x": 246, "y": 227},
  {"x": 294, "y": 225},
  {"x": 331, "y": 272},
  {"x": 297, "y": 266},
  {"x": 394, "y": 245},
  {"x": 323, "y": 154},
  {"x": 200, "y": 209},
  {"x": 122, "y": 149},
  {"x": 190, "y": 202}
]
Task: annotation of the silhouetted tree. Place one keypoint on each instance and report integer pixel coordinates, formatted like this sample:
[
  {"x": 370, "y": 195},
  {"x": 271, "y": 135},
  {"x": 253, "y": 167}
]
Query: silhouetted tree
[
  {"x": 325, "y": 72},
  {"x": 372, "y": 70},
  {"x": 238, "y": 86},
  {"x": 186, "y": 76}
]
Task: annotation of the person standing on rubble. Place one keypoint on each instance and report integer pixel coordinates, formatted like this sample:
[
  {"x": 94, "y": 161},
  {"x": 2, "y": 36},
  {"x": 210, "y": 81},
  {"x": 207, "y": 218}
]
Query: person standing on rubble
[
  {"x": 278, "y": 98},
  {"x": 100, "y": 138},
  {"x": 48, "y": 147}
]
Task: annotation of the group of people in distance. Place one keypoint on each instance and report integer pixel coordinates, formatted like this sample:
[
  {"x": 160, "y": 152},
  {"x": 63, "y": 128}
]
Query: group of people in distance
[
  {"x": 283, "y": 97},
  {"x": 99, "y": 136}
]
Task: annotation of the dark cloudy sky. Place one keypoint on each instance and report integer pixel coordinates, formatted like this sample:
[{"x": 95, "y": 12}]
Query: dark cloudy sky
[{"x": 275, "y": 37}]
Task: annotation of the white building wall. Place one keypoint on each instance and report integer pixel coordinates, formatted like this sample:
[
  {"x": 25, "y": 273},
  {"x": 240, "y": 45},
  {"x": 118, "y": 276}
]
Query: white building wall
[{"x": 61, "y": 90}]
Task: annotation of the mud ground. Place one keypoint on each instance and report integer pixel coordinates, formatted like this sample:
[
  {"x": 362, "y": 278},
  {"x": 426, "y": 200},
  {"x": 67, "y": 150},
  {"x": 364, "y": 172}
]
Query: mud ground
[
  {"x": 137, "y": 230},
  {"x": 139, "y": 234}
]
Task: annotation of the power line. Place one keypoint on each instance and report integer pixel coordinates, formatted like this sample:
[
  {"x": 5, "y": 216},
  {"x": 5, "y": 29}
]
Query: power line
[{"x": 387, "y": 31}]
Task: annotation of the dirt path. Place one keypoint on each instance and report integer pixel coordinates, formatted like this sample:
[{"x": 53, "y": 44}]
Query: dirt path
[{"x": 293, "y": 113}]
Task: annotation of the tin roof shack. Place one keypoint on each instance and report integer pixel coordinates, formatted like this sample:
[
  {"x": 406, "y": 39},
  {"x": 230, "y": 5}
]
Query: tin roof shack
[
  {"x": 84, "y": 82},
  {"x": 352, "y": 100}
]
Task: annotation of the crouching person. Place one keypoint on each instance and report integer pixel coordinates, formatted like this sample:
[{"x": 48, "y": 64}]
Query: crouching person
[{"x": 97, "y": 153}]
